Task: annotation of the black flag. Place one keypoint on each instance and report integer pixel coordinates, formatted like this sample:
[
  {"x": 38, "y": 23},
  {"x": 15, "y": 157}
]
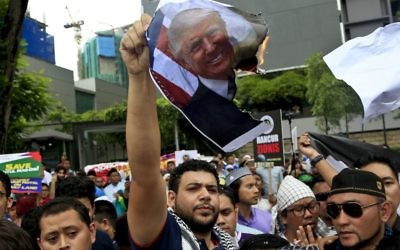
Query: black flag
[{"x": 348, "y": 151}]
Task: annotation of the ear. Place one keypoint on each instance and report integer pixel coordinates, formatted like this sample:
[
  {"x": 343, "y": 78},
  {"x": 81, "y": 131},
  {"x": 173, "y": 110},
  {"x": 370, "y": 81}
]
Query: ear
[
  {"x": 9, "y": 202},
  {"x": 39, "y": 243},
  {"x": 236, "y": 211},
  {"x": 106, "y": 223},
  {"x": 386, "y": 210},
  {"x": 283, "y": 218},
  {"x": 92, "y": 229},
  {"x": 171, "y": 199}
]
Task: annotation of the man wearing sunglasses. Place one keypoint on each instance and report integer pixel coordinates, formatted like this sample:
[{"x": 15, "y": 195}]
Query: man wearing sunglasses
[
  {"x": 359, "y": 211},
  {"x": 321, "y": 190},
  {"x": 381, "y": 166}
]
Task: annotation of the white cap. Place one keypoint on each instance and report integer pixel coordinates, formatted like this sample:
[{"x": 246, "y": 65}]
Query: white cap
[{"x": 290, "y": 191}]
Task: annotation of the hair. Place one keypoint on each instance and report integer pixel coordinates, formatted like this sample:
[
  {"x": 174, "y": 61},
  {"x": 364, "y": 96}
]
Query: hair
[
  {"x": 63, "y": 204},
  {"x": 235, "y": 189},
  {"x": 105, "y": 210},
  {"x": 294, "y": 162},
  {"x": 77, "y": 187},
  {"x": 5, "y": 180},
  {"x": 112, "y": 170},
  {"x": 317, "y": 179},
  {"x": 91, "y": 172},
  {"x": 45, "y": 184},
  {"x": 373, "y": 158},
  {"x": 191, "y": 165},
  {"x": 227, "y": 191},
  {"x": 80, "y": 173},
  {"x": 24, "y": 204},
  {"x": 264, "y": 241},
  {"x": 183, "y": 22},
  {"x": 60, "y": 167},
  {"x": 13, "y": 237},
  {"x": 262, "y": 190},
  {"x": 30, "y": 223}
]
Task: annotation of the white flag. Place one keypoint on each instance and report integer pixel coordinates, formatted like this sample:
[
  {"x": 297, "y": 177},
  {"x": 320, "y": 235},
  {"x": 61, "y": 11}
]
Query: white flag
[{"x": 371, "y": 66}]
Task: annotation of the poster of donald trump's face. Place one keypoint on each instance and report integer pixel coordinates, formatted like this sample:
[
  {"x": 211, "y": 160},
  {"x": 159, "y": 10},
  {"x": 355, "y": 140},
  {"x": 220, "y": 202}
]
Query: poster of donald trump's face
[{"x": 196, "y": 48}]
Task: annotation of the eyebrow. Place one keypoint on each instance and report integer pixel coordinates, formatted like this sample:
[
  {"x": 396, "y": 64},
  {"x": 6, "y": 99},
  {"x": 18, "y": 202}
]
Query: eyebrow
[{"x": 201, "y": 184}]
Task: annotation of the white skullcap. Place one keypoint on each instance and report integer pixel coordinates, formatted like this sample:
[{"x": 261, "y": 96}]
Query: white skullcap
[{"x": 290, "y": 191}]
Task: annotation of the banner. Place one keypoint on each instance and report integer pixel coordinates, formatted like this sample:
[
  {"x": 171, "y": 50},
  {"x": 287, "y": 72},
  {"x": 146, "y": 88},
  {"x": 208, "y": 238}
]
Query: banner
[
  {"x": 268, "y": 147},
  {"x": 343, "y": 152},
  {"x": 102, "y": 169},
  {"x": 23, "y": 170},
  {"x": 164, "y": 159},
  {"x": 29, "y": 185},
  {"x": 21, "y": 165},
  {"x": 190, "y": 154}
]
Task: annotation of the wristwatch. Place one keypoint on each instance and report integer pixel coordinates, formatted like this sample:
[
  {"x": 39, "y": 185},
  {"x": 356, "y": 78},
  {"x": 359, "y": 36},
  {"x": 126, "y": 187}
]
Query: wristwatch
[{"x": 317, "y": 159}]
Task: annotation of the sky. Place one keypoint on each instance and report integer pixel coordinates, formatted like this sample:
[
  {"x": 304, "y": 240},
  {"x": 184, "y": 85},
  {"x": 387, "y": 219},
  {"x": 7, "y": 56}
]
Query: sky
[{"x": 97, "y": 15}]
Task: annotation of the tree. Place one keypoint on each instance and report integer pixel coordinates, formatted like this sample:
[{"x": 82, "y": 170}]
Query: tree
[
  {"x": 257, "y": 93},
  {"x": 30, "y": 101},
  {"x": 11, "y": 19},
  {"x": 331, "y": 99}
]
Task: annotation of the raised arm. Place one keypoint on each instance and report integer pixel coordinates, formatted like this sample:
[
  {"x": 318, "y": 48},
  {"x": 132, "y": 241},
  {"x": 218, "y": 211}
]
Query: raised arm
[
  {"x": 147, "y": 210},
  {"x": 324, "y": 168}
]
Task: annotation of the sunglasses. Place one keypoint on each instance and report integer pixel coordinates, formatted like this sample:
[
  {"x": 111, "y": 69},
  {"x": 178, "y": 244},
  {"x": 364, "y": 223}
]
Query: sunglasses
[
  {"x": 323, "y": 196},
  {"x": 352, "y": 209}
]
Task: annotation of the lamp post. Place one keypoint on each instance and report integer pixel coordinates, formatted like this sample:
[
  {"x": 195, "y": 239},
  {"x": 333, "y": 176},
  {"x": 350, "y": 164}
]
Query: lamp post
[{"x": 289, "y": 116}]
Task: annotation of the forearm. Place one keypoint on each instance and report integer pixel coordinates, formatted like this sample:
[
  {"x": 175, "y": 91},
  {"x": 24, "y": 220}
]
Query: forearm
[
  {"x": 324, "y": 168},
  {"x": 142, "y": 131}
]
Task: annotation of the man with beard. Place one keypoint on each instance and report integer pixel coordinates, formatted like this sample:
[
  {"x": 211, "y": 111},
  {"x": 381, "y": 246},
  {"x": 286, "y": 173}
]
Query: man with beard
[
  {"x": 193, "y": 186},
  {"x": 359, "y": 210}
]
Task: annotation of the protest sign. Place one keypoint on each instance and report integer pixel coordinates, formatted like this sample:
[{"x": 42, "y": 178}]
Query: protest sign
[
  {"x": 268, "y": 147},
  {"x": 195, "y": 47},
  {"x": 23, "y": 170}
]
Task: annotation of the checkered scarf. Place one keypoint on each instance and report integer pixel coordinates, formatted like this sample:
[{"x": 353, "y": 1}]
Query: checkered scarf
[{"x": 189, "y": 241}]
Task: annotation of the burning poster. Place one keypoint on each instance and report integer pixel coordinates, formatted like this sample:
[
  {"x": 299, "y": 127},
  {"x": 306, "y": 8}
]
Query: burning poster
[{"x": 196, "y": 48}]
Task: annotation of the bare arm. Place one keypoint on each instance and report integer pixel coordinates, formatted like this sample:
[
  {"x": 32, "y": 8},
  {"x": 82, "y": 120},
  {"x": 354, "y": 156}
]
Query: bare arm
[
  {"x": 324, "y": 168},
  {"x": 147, "y": 210}
]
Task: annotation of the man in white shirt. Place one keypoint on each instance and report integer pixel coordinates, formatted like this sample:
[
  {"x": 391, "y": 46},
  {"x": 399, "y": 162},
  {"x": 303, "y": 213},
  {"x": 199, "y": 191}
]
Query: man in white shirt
[{"x": 114, "y": 185}]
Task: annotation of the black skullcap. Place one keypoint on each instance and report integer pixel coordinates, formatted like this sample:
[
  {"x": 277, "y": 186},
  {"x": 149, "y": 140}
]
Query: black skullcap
[{"x": 357, "y": 181}]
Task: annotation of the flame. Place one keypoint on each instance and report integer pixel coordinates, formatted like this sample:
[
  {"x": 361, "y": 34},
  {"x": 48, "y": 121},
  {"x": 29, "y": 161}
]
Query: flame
[{"x": 261, "y": 50}]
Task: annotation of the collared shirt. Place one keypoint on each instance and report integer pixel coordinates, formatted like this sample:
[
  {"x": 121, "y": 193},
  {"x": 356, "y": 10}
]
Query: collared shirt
[
  {"x": 111, "y": 189},
  {"x": 260, "y": 220}
]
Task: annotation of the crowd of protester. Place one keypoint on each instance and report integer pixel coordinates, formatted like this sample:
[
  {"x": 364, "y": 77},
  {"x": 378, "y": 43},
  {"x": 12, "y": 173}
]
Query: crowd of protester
[{"x": 227, "y": 203}]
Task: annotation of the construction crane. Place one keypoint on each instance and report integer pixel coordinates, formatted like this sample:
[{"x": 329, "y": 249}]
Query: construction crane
[
  {"x": 77, "y": 27},
  {"x": 78, "y": 37}
]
